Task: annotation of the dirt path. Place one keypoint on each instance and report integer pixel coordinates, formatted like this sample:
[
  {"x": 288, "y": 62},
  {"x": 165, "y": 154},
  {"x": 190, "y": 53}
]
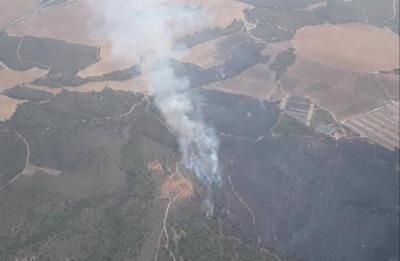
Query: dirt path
[
  {"x": 27, "y": 161},
  {"x": 310, "y": 113},
  {"x": 394, "y": 9},
  {"x": 250, "y": 26},
  {"x": 394, "y": 12},
  {"x": 39, "y": 8},
  {"x": 241, "y": 200},
  {"x": 173, "y": 190},
  {"x": 164, "y": 231},
  {"x": 383, "y": 88}
]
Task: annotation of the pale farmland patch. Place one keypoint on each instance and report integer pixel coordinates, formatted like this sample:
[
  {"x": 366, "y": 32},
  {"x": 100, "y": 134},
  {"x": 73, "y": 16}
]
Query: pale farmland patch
[
  {"x": 108, "y": 62},
  {"x": 11, "y": 10},
  {"x": 204, "y": 55},
  {"x": 7, "y": 107},
  {"x": 257, "y": 82},
  {"x": 343, "y": 92},
  {"x": 220, "y": 13},
  {"x": 82, "y": 28},
  {"x": 10, "y": 78},
  {"x": 52, "y": 24},
  {"x": 349, "y": 46}
]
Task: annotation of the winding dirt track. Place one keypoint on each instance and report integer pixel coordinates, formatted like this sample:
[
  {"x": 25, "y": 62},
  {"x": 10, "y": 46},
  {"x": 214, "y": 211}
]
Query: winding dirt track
[
  {"x": 164, "y": 231},
  {"x": 27, "y": 162}
]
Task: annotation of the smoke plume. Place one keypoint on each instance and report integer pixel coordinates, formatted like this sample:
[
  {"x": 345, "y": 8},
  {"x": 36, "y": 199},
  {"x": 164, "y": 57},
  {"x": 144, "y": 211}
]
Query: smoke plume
[{"x": 149, "y": 29}]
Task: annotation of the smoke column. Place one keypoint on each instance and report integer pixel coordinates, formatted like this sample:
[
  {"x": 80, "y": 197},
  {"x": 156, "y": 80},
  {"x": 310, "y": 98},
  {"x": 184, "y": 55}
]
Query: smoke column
[{"x": 148, "y": 29}]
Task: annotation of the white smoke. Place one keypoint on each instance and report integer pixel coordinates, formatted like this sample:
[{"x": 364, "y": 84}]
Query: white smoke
[{"x": 148, "y": 29}]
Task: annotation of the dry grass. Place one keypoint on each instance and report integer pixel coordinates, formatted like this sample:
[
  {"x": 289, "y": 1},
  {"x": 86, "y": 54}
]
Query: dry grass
[
  {"x": 348, "y": 92},
  {"x": 80, "y": 19},
  {"x": 221, "y": 13},
  {"x": 10, "y": 78},
  {"x": 257, "y": 82},
  {"x": 80, "y": 28},
  {"x": 308, "y": 72},
  {"x": 13, "y": 9},
  {"x": 350, "y": 46},
  {"x": 109, "y": 62},
  {"x": 390, "y": 84},
  {"x": 177, "y": 186},
  {"x": 204, "y": 55},
  {"x": 8, "y": 107},
  {"x": 52, "y": 24}
]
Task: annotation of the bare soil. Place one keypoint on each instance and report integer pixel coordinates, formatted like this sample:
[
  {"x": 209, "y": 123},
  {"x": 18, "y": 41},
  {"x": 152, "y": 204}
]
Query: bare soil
[
  {"x": 15, "y": 9},
  {"x": 343, "y": 92},
  {"x": 257, "y": 82},
  {"x": 10, "y": 78},
  {"x": 8, "y": 106},
  {"x": 79, "y": 29},
  {"x": 351, "y": 46}
]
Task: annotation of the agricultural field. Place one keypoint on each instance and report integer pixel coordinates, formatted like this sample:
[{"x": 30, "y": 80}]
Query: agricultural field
[{"x": 381, "y": 125}]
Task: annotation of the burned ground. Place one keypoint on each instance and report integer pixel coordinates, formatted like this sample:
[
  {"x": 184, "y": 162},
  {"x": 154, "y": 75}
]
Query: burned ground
[
  {"x": 240, "y": 116},
  {"x": 98, "y": 206},
  {"x": 243, "y": 53},
  {"x": 102, "y": 190},
  {"x": 8, "y": 55},
  {"x": 12, "y": 156},
  {"x": 208, "y": 34},
  {"x": 71, "y": 79},
  {"x": 317, "y": 200},
  {"x": 282, "y": 61},
  {"x": 23, "y": 53},
  {"x": 25, "y": 93},
  {"x": 304, "y": 193},
  {"x": 307, "y": 198}
]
